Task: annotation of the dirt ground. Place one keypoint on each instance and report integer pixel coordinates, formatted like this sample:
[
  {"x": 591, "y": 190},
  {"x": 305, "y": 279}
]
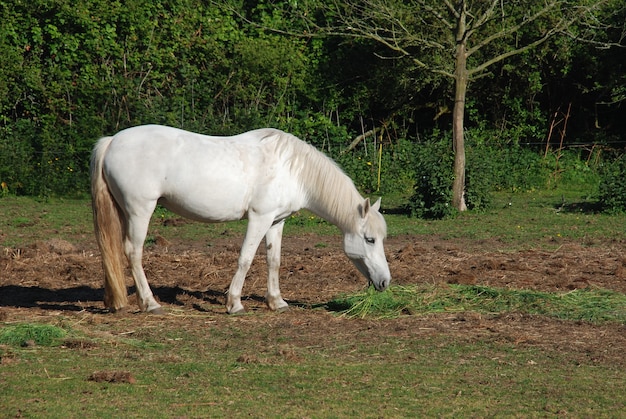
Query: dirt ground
[{"x": 57, "y": 277}]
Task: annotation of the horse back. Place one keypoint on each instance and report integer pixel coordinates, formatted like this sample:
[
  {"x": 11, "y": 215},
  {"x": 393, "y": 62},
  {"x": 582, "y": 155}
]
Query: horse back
[{"x": 201, "y": 177}]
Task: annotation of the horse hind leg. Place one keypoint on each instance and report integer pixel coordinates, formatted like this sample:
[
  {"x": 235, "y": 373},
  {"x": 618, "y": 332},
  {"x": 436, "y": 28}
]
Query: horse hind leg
[
  {"x": 273, "y": 239},
  {"x": 133, "y": 245}
]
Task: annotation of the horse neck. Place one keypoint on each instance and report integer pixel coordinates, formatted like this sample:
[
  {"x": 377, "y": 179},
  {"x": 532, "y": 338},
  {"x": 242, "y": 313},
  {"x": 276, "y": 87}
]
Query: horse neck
[
  {"x": 332, "y": 195},
  {"x": 343, "y": 217}
]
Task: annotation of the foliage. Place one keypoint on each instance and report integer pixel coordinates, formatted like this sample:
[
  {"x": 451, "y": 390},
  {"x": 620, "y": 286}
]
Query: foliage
[
  {"x": 75, "y": 71},
  {"x": 490, "y": 167},
  {"x": 499, "y": 164},
  {"x": 381, "y": 167},
  {"x": 612, "y": 189},
  {"x": 591, "y": 305},
  {"x": 89, "y": 69},
  {"x": 496, "y": 166},
  {"x": 433, "y": 181},
  {"x": 462, "y": 42},
  {"x": 574, "y": 168}
]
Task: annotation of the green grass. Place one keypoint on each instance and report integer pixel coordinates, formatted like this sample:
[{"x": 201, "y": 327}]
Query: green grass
[
  {"x": 517, "y": 220},
  {"x": 593, "y": 305},
  {"x": 25, "y": 334},
  {"x": 207, "y": 370},
  {"x": 268, "y": 365},
  {"x": 24, "y": 220}
]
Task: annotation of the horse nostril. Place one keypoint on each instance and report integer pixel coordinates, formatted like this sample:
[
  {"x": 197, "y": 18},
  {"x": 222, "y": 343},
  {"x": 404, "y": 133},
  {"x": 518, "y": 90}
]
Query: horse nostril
[{"x": 383, "y": 285}]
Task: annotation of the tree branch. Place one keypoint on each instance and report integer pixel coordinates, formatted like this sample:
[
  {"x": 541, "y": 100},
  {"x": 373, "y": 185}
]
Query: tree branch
[
  {"x": 508, "y": 31},
  {"x": 360, "y": 138},
  {"x": 560, "y": 27}
]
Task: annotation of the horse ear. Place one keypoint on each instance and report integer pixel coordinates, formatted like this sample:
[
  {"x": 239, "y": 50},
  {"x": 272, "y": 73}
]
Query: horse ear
[
  {"x": 365, "y": 208},
  {"x": 376, "y": 206}
]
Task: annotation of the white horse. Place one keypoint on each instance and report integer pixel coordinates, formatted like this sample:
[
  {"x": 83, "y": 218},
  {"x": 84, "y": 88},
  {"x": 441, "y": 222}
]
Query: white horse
[{"x": 264, "y": 175}]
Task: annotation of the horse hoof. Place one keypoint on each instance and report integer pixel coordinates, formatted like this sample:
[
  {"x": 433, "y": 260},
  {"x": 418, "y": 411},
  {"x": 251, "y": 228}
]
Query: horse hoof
[
  {"x": 119, "y": 310},
  {"x": 237, "y": 312},
  {"x": 282, "y": 309},
  {"x": 158, "y": 311}
]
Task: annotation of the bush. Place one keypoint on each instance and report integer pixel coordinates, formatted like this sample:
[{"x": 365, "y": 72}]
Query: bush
[
  {"x": 521, "y": 170},
  {"x": 498, "y": 165},
  {"x": 572, "y": 168},
  {"x": 16, "y": 167},
  {"x": 434, "y": 168},
  {"x": 612, "y": 189},
  {"x": 433, "y": 181},
  {"x": 481, "y": 165},
  {"x": 488, "y": 167},
  {"x": 395, "y": 162}
]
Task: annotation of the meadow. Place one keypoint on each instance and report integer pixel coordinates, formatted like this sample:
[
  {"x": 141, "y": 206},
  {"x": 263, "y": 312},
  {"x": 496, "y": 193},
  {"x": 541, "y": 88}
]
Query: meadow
[{"x": 518, "y": 311}]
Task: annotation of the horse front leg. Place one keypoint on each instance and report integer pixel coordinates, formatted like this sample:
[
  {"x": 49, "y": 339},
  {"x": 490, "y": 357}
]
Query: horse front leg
[
  {"x": 273, "y": 239},
  {"x": 257, "y": 227}
]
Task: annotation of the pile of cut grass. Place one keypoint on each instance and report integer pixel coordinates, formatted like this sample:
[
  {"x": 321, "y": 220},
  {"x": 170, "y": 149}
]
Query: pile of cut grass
[{"x": 592, "y": 305}]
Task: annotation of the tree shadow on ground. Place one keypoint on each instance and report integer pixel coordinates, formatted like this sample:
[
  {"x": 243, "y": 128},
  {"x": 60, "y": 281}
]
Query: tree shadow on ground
[{"x": 583, "y": 207}]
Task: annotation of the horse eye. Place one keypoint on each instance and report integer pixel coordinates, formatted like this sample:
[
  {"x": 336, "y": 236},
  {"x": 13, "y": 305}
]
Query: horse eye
[{"x": 370, "y": 240}]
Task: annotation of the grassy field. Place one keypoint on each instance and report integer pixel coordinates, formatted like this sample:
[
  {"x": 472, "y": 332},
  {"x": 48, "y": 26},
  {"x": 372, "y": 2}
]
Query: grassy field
[
  {"x": 538, "y": 218},
  {"x": 147, "y": 367},
  {"x": 435, "y": 355}
]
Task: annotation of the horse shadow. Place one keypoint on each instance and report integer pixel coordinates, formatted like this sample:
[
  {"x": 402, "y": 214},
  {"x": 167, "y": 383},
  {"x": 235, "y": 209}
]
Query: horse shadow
[
  {"x": 170, "y": 296},
  {"x": 84, "y": 298},
  {"x": 66, "y": 299}
]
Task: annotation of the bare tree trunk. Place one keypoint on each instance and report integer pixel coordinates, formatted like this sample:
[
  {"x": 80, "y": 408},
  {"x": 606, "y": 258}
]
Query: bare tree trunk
[{"x": 458, "y": 113}]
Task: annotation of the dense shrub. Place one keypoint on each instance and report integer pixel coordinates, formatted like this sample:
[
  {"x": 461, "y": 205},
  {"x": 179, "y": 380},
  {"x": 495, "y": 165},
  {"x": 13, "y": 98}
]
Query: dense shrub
[
  {"x": 572, "y": 168},
  {"x": 434, "y": 176},
  {"x": 497, "y": 167},
  {"x": 433, "y": 180},
  {"x": 479, "y": 176},
  {"x": 16, "y": 167},
  {"x": 612, "y": 189},
  {"x": 395, "y": 161},
  {"x": 521, "y": 169}
]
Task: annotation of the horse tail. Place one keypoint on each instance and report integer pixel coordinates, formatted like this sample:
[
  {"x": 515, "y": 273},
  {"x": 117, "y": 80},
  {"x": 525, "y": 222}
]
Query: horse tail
[{"x": 109, "y": 225}]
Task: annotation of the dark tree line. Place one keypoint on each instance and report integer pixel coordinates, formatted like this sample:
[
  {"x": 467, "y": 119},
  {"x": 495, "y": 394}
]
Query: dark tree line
[{"x": 72, "y": 71}]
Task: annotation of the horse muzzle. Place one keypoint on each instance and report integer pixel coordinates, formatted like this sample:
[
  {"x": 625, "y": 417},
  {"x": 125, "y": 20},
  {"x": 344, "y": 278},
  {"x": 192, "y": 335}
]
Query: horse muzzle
[
  {"x": 380, "y": 285},
  {"x": 379, "y": 280}
]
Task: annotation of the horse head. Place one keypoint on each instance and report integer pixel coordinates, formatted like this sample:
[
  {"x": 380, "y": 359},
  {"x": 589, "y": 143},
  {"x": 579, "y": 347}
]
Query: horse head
[{"x": 364, "y": 245}]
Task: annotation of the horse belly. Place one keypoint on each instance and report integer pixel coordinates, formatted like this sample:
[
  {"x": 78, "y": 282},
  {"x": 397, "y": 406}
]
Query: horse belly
[{"x": 209, "y": 202}]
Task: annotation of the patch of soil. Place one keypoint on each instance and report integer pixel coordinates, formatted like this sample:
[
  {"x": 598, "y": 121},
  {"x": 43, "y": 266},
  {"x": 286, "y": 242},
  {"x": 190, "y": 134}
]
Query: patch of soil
[
  {"x": 112, "y": 377},
  {"x": 59, "y": 246},
  {"x": 53, "y": 278}
]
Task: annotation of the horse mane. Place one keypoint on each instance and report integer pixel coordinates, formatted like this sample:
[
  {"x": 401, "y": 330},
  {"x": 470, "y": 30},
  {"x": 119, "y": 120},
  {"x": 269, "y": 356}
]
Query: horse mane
[{"x": 330, "y": 193}]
